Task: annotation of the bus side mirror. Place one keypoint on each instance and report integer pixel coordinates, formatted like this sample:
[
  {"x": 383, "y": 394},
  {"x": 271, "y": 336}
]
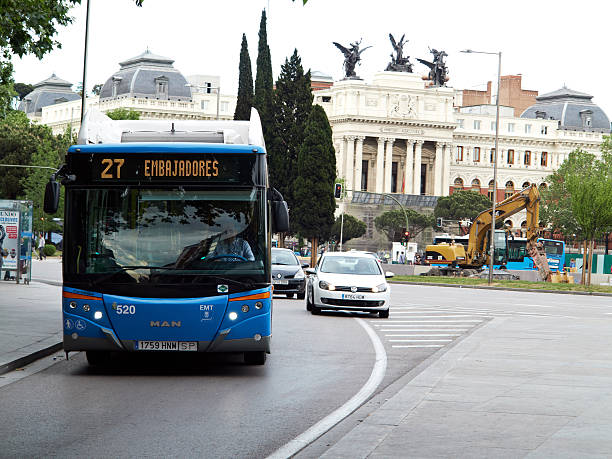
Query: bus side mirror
[
  {"x": 280, "y": 216},
  {"x": 52, "y": 196}
]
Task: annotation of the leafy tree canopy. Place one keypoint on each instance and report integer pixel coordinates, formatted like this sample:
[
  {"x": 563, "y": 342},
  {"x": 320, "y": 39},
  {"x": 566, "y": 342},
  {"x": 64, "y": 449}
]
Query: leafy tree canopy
[
  {"x": 97, "y": 88},
  {"x": 123, "y": 114},
  {"x": 462, "y": 205},
  {"x": 23, "y": 89},
  {"x": 352, "y": 228},
  {"x": 393, "y": 222}
]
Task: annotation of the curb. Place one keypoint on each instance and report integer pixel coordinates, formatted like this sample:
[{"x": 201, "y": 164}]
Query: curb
[
  {"x": 48, "y": 282},
  {"x": 22, "y": 361},
  {"x": 511, "y": 289}
]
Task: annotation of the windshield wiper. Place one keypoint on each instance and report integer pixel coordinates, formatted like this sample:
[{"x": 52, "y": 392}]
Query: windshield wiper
[{"x": 123, "y": 269}]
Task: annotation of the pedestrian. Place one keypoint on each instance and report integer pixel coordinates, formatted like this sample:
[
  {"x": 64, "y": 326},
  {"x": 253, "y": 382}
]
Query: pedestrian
[
  {"x": 401, "y": 259},
  {"x": 41, "y": 248}
]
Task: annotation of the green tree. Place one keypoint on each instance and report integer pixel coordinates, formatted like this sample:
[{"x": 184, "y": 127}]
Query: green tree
[
  {"x": 23, "y": 89},
  {"x": 461, "y": 205},
  {"x": 245, "y": 84},
  {"x": 123, "y": 114},
  {"x": 97, "y": 88},
  {"x": 352, "y": 228},
  {"x": 579, "y": 199},
  {"x": 292, "y": 106},
  {"x": 264, "y": 91},
  {"x": 392, "y": 222},
  {"x": 312, "y": 214}
]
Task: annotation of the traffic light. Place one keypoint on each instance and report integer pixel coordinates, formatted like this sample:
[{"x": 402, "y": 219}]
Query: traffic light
[
  {"x": 405, "y": 237},
  {"x": 338, "y": 191}
]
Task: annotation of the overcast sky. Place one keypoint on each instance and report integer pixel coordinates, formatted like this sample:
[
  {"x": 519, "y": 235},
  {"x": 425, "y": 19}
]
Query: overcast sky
[{"x": 551, "y": 43}]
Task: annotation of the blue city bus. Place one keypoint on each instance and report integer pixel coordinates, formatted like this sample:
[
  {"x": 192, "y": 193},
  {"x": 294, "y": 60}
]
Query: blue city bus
[
  {"x": 150, "y": 215},
  {"x": 519, "y": 259}
]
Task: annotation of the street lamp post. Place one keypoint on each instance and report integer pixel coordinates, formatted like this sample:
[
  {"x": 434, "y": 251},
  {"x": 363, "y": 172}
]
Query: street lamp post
[
  {"x": 83, "y": 90},
  {"x": 492, "y": 249}
]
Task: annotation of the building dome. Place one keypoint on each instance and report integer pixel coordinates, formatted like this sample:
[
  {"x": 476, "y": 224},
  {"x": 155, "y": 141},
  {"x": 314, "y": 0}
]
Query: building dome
[
  {"x": 51, "y": 91},
  {"x": 574, "y": 110},
  {"x": 147, "y": 76}
]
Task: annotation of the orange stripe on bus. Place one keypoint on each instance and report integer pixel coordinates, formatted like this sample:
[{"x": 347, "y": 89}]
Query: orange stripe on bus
[
  {"x": 78, "y": 296},
  {"x": 257, "y": 296}
]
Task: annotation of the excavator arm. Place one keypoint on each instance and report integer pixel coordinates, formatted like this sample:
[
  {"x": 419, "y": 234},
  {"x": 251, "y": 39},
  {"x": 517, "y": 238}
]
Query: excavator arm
[{"x": 527, "y": 199}]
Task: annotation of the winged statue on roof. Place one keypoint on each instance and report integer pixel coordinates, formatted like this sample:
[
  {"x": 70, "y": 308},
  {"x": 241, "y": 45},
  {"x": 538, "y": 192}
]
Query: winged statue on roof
[
  {"x": 352, "y": 56},
  {"x": 399, "y": 63},
  {"x": 438, "y": 72}
]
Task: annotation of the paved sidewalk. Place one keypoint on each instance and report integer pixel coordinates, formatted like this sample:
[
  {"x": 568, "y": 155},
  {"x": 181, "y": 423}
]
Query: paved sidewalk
[
  {"x": 30, "y": 322},
  {"x": 517, "y": 387}
]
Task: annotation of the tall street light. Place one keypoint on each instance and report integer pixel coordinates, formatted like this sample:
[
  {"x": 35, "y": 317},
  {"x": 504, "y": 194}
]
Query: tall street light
[
  {"x": 84, "y": 85},
  {"x": 492, "y": 249}
]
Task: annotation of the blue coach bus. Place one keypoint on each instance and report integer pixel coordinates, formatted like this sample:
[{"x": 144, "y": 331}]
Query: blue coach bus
[
  {"x": 167, "y": 238},
  {"x": 519, "y": 259}
]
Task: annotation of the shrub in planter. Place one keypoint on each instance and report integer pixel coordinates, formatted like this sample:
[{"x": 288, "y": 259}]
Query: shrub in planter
[{"x": 49, "y": 250}]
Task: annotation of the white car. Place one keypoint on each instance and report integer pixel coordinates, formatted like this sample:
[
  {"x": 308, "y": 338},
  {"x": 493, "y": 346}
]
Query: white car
[{"x": 352, "y": 281}]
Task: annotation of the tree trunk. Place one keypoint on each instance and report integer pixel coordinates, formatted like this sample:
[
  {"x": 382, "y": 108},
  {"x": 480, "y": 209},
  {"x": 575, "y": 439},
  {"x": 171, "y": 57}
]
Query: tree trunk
[
  {"x": 281, "y": 240},
  {"x": 313, "y": 252},
  {"x": 591, "y": 245},
  {"x": 584, "y": 263}
]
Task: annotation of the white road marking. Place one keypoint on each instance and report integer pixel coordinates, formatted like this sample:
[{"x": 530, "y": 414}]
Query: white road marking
[
  {"x": 418, "y": 330},
  {"x": 432, "y": 321},
  {"x": 420, "y": 340},
  {"x": 314, "y": 432},
  {"x": 435, "y": 317},
  {"x": 410, "y": 335},
  {"x": 415, "y": 345}
]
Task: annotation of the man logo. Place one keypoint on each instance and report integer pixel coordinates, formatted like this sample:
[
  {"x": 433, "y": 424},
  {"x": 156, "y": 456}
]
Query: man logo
[{"x": 165, "y": 323}]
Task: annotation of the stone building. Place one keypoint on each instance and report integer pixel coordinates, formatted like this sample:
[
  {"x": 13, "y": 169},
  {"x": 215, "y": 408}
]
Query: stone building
[{"x": 147, "y": 83}]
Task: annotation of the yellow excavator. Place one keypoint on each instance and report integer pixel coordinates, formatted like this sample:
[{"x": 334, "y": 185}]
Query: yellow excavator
[{"x": 476, "y": 254}]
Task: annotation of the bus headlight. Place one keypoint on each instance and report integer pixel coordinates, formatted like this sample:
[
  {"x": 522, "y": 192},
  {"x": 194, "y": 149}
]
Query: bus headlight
[
  {"x": 233, "y": 316},
  {"x": 86, "y": 308},
  {"x": 258, "y": 305},
  {"x": 245, "y": 308},
  {"x": 72, "y": 305},
  {"x": 97, "y": 315}
]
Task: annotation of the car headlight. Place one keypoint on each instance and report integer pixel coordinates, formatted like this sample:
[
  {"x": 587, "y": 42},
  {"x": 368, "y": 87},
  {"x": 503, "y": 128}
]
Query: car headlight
[
  {"x": 326, "y": 285},
  {"x": 299, "y": 275},
  {"x": 380, "y": 288}
]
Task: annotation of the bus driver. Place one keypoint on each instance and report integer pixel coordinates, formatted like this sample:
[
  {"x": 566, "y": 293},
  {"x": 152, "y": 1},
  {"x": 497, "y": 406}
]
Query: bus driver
[{"x": 233, "y": 245}]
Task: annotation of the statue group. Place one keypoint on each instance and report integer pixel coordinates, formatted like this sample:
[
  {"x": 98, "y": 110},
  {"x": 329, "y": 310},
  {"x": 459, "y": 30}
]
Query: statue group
[{"x": 438, "y": 72}]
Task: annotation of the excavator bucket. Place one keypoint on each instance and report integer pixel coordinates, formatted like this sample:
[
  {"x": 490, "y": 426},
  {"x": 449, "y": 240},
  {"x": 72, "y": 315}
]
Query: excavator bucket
[{"x": 538, "y": 255}]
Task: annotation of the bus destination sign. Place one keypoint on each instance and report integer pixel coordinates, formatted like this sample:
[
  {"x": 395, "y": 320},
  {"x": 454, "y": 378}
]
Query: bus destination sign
[{"x": 179, "y": 168}]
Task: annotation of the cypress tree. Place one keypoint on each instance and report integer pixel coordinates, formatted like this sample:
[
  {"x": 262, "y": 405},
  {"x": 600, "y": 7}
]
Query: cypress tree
[
  {"x": 292, "y": 105},
  {"x": 264, "y": 81},
  {"x": 245, "y": 84},
  {"x": 314, "y": 206}
]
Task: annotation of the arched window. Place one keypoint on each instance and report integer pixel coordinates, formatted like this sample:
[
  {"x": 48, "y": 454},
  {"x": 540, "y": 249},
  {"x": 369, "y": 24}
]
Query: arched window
[
  {"x": 509, "y": 189},
  {"x": 476, "y": 185},
  {"x": 491, "y": 192},
  {"x": 525, "y": 185},
  {"x": 458, "y": 184}
]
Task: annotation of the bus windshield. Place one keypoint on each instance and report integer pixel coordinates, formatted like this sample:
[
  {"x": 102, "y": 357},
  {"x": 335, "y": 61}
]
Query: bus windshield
[{"x": 170, "y": 231}]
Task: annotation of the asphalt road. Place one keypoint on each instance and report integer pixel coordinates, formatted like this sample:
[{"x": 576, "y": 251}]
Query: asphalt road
[{"x": 217, "y": 407}]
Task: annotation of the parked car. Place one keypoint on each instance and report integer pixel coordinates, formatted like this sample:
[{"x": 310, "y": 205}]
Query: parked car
[
  {"x": 352, "y": 281},
  {"x": 287, "y": 273}
]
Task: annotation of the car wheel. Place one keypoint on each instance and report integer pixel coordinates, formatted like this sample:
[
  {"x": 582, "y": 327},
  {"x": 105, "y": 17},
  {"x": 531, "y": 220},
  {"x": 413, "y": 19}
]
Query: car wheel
[
  {"x": 309, "y": 301},
  {"x": 289, "y": 295},
  {"x": 255, "y": 358},
  {"x": 301, "y": 296},
  {"x": 384, "y": 314},
  {"x": 97, "y": 358}
]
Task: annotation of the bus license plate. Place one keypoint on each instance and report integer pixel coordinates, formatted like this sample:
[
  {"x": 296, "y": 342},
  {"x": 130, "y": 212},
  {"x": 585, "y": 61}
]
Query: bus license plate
[
  {"x": 167, "y": 346},
  {"x": 352, "y": 296}
]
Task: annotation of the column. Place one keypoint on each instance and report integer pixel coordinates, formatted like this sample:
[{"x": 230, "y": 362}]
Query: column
[
  {"x": 350, "y": 150},
  {"x": 388, "y": 159},
  {"x": 380, "y": 160},
  {"x": 447, "y": 163},
  {"x": 408, "y": 167},
  {"x": 358, "y": 159},
  {"x": 417, "y": 167},
  {"x": 341, "y": 158},
  {"x": 437, "y": 189}
]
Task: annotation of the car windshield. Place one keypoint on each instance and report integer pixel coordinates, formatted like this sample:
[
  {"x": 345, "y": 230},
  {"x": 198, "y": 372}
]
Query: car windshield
[
  {"x": 350, "y": 265},
  {"x": 283, "y": 257}
]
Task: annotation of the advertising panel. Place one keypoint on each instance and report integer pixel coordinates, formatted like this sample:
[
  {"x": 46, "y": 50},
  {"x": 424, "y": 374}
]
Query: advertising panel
[{"x": 9, "y": 238}]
